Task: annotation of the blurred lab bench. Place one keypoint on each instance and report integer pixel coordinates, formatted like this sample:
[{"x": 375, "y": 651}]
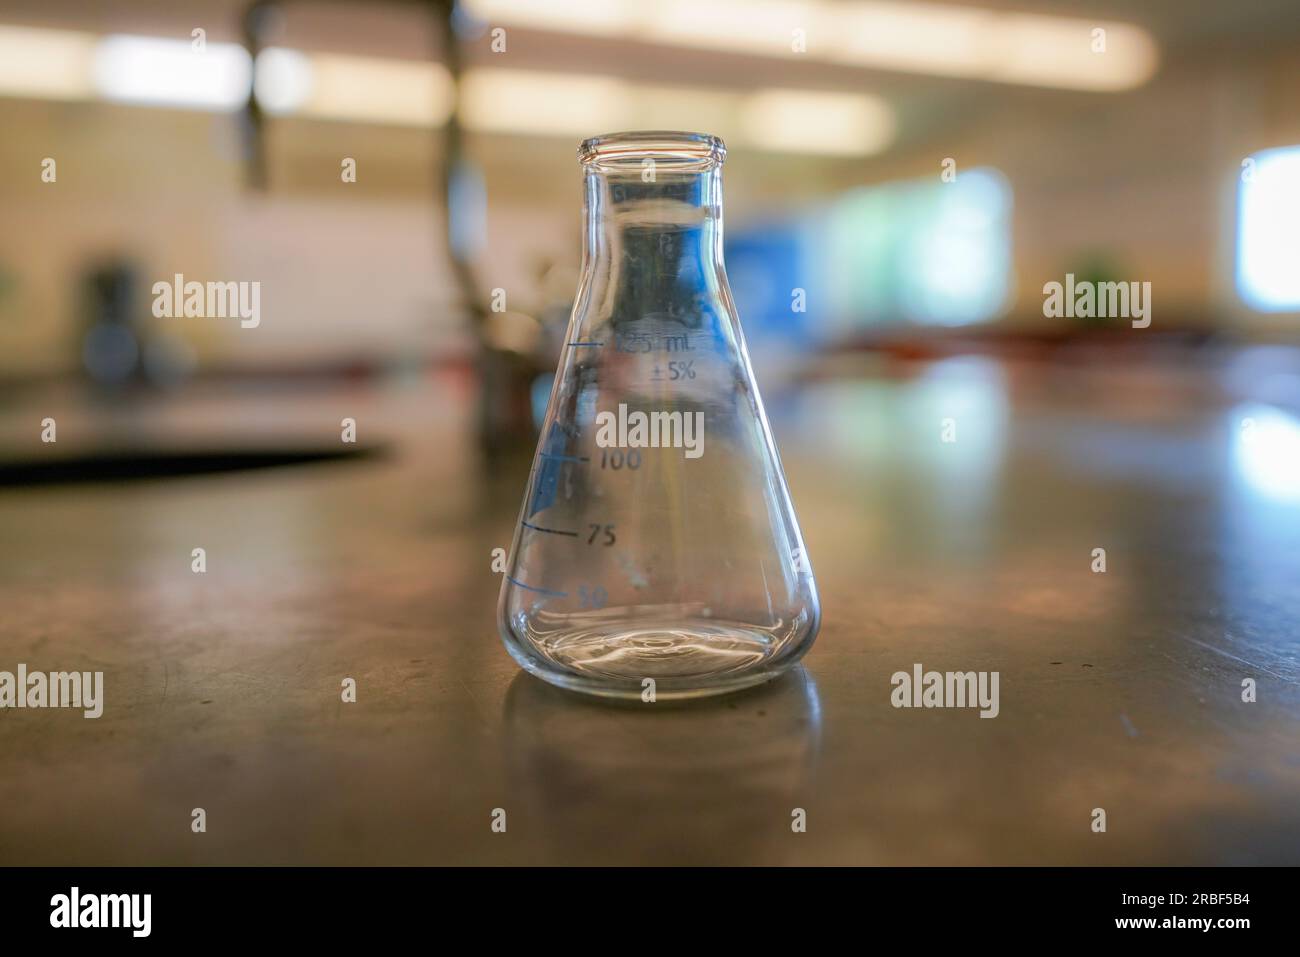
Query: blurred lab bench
[{"x": 1119, "y": 690}]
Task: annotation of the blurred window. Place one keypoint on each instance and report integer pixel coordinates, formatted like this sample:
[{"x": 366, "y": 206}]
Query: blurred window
[
  {"x": 923, "y": 251},
  {"x": 1268, "y": 231}
]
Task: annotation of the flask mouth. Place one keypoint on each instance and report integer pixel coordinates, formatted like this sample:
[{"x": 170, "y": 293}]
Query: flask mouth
[{"x": 623, "y": 152}]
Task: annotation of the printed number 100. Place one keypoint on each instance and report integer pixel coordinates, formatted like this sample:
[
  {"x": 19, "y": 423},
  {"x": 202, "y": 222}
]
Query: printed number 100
[{"x": 617, "y": 458}]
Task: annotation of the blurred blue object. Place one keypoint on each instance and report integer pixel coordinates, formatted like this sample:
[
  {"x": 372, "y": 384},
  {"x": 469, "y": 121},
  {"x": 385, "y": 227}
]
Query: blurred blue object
[{"x": 767, "y": 266}]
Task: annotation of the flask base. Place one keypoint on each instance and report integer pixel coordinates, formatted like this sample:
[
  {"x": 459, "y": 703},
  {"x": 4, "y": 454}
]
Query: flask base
[{"x": 686, "y": 659}]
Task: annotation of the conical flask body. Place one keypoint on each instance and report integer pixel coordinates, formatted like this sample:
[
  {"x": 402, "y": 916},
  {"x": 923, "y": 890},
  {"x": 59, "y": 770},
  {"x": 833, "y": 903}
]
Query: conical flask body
[{"x": 657, "y": 554}]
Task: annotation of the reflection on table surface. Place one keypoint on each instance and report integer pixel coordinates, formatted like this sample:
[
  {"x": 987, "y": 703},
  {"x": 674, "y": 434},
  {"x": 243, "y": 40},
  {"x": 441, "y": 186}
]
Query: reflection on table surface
[{"x": 1120, "y": 690}]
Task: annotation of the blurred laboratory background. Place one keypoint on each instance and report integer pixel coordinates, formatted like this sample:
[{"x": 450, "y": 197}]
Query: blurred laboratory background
[{"x": 401, "y": 179}]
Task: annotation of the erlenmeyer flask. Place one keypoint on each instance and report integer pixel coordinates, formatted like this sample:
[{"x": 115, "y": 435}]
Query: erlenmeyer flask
[{"x": 657, "y": 553}]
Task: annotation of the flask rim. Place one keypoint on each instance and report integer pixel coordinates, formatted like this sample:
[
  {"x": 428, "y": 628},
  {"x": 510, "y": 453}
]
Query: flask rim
[{"x": 612, "y": 152}]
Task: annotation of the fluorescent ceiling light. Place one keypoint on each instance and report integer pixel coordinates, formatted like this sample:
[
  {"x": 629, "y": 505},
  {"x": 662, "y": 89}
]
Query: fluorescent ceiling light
[
  {"x": 794, "y": 121},
  {"x": 801, "y": 121},
  {"x": 566, "y": 104},
  {"x": 544, "y": 104},
  {"x": 169, "y": 72},
  {"x": 592, "y": 17},
  {"x": 900, "y": 35},
  {"x": 162, "y": 72},
  {"x": 741, "y": 26},
  {"x": 987, "y": 45},
  {"x": 917, "y": 38},
  {"x": 46, "y": 64},
  {"x": 1053, "y": 51},
  {"x": 363, "y": 89}
]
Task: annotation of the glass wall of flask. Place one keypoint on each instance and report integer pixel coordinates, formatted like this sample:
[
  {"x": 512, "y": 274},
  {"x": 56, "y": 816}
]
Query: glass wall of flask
[{"x": 657, "y": 554}]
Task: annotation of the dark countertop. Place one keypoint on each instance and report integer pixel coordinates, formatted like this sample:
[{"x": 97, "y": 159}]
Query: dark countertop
[{"x": 1119, "y": 691}]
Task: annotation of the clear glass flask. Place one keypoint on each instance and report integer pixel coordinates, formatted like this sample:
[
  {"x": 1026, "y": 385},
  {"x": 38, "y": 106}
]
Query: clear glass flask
[{"x": 657, "y": 539}]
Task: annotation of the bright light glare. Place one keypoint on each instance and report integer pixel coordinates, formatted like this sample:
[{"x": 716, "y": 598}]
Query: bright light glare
[
  {"x": 1266, "y": 451},
  {"x": 282, "y": 80},
  {"x": 160, "y": 72},
  {"x": 48, "y": 64},
  {"x": 1268, "y": 231}
]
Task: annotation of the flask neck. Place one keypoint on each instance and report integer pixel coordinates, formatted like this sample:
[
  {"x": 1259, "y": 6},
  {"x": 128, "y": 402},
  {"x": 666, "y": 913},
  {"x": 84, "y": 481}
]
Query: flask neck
[{"x": 653, "y": 239}]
